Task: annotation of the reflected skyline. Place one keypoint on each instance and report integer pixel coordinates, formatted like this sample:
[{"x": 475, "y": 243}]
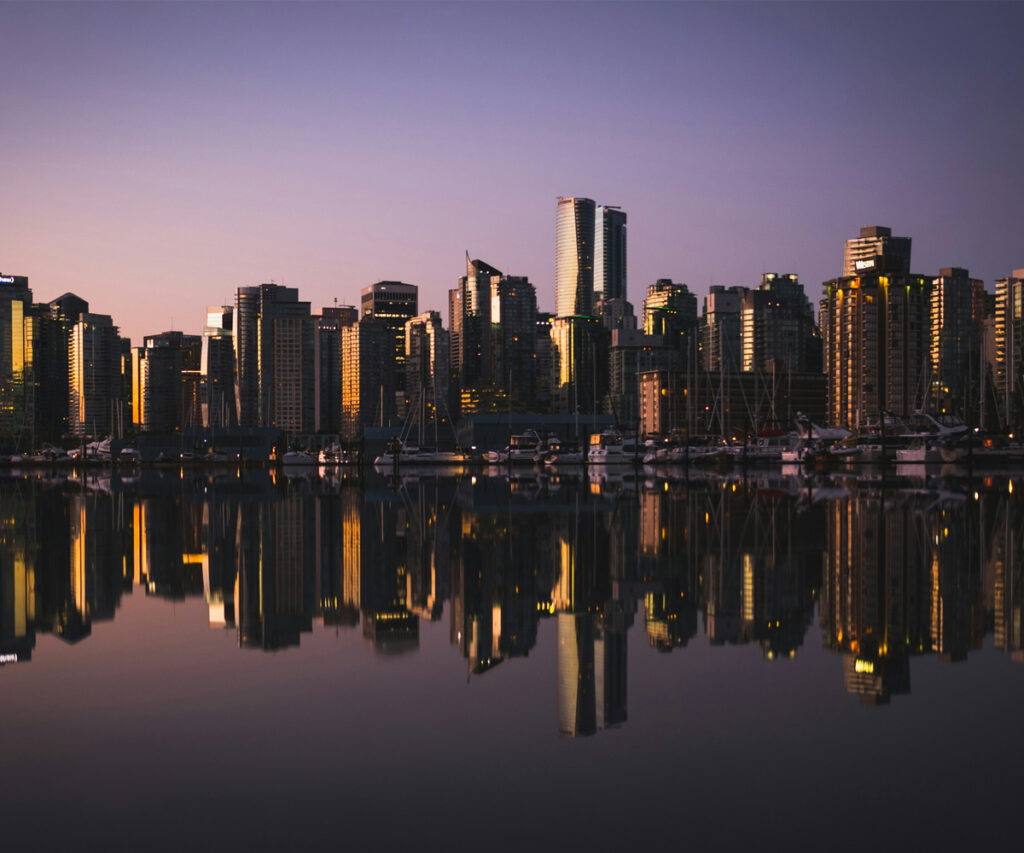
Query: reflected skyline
[{"x": 889, "y": 574}]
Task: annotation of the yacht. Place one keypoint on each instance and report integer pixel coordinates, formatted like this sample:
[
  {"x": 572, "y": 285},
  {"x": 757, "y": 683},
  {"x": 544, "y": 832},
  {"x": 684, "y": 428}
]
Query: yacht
[
  {"x": 521, "y": 449},
  {"x": 610, "y": 447}
]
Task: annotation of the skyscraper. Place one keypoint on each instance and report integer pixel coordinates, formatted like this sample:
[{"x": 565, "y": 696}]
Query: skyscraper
[
  {"x": 94, "y": 375},
  {"x": 1009, "y": 345},
  {"x": 777, "y": 325},
  {"x": 367, "y": 376},
  {"x": 513, "y": 338},
  {"x": 876, "y": 250},
  {"x": 574, "y": 257},
  {"x": 274, "y": 358},
  {"x": 393, "y": 302},
  {"x": 327, "y": 326},
  {"x": 15, "y": 415},
  {"x": 426, "y": 369},
  {"x": 610, "y": 253},
  {"x": 217, "y": 368}
]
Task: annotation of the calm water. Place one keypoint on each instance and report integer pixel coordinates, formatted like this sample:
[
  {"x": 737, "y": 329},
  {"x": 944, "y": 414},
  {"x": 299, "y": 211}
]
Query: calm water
[{"x": 215, "y": 662}]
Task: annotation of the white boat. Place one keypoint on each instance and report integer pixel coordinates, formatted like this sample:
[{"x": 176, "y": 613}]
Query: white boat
[
  {"x": 332, "y": 455},
  {"x": 521, "y": 449},
  {"x": 407, "y": 455},
  {"x": 610, "y": 448}
]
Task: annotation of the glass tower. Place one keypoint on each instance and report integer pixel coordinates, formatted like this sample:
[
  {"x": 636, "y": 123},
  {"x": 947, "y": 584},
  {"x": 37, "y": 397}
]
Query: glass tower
[{"x": 574, "y": 257}]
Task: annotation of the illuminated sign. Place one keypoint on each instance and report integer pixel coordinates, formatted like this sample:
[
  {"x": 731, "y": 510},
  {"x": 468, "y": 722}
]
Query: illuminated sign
[
  {"x": 865, "y": 666},
  {"x": 865, "y": 265},
  {"x": 8, "y": 658},
  {"x": 6, "y": 279}
]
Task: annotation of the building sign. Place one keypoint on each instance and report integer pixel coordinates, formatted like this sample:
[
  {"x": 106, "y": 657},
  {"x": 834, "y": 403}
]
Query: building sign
[
  {"x": 6, "y": 279},
  {"x": 865, "y": 265}
]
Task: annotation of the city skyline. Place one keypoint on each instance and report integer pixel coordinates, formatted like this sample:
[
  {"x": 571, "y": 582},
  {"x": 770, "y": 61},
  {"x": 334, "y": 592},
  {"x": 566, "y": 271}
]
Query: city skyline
[{"x": 163, "y": 156}]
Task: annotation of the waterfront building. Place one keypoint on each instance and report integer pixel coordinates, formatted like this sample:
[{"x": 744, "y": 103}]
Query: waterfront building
[
  {"x": 165, "y": 389},
  {"x": 574, "y": 257},
  {"x": 699, "y": 403},
  {"x": 876, "y": 251},
  {"x": 633, "y": 353},
  {"x": 878, "y": 346}
]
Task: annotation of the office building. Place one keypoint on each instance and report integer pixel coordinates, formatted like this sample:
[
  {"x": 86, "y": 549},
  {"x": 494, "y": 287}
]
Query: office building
[
  {"x": 574, "y": 257},
  {"x": 165, "y": 374},
  {"x": 633, "y": 353},
  {"x": 876, "y": 251},
  {"x": 610, "y": 253}
]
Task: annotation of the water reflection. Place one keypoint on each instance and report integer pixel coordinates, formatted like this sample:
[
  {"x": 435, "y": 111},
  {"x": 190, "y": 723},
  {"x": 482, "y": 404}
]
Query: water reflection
[{"x": 895, "y": 571}]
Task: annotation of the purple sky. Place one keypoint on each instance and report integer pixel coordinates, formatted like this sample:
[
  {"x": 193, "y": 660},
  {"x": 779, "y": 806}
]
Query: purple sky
[{"x": 156, "y": 157}]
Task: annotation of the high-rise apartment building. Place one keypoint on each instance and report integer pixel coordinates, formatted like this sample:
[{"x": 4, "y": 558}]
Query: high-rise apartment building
[
  {"x": 95, "y": 393},
  {"x": 957, "y": 361},
  {"x": 427, "y": 370},
  {"x": 470, "y": 324},
  {"x": 1009, "y": 348},
  {"x": 514, "y": 338},
  {"x": 721, "y": 330},
  {"x": 777, "y": 327},
  {"x": 166, "y": 383},
  {"x": 878, "y": 346},
  {"x": 217, "y": 368},
  {"x": 367, "y": 377},
  {"x": 574, "y": 257},
  {"x": 876, "y": 251},
  {"x": 610, "y": 253},
  {"x": 16, "y": 398},
  {"x": 327, "y": 326},
  {"x": 670, "y": 310},
  {"x": 579, "y": 364},
  {"x": 274, "y": 358},
  {"x": 393, "y": 302}
]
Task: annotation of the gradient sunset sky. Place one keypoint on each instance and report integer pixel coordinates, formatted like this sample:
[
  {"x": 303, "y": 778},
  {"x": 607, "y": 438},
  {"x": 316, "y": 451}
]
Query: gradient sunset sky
[{"x": 157, "y": 156}]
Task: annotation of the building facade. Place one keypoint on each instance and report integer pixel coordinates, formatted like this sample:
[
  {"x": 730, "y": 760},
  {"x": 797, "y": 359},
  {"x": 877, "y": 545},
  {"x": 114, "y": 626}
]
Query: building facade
[{"x": 574, "y": 257}]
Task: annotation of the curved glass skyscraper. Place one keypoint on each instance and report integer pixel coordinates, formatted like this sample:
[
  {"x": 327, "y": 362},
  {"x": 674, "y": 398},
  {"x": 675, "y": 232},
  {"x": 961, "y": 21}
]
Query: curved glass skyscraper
[{"x": 574, "y": 257}]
